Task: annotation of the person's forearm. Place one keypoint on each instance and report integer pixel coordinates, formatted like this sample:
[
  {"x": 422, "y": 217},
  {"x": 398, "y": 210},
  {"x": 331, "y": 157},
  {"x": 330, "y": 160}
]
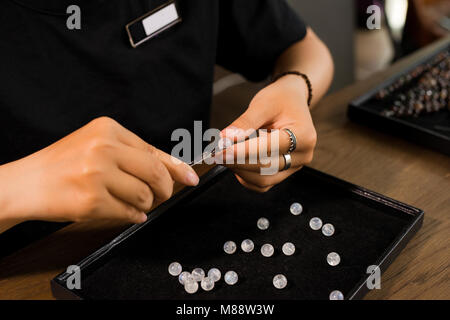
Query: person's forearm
[{"x": 311, "y": 57}]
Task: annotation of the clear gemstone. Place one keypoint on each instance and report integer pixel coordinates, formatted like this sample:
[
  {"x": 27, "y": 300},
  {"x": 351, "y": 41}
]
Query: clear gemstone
[
  {"x": 207, "y": 284},
  {"x": 175, "y": 269},
  {"x": 247, "y": 245},
  {"x": 288, "y": 248},
  {"x": 229, "y": 247},
  {"x": 333, "y": 259},
  {"x": 296, "y": 208},
  {"x": 191, "y": 287},
  {"x": 279, "y": 281},
  {"x": 263, "y": 224},
  {"x": 214, "y": 274},
  {"x": 315, "y": 223},
  {"x": 336, "y": 295},
  {"x": 267, "y": 250},
  {"x": 328, "y": 229},
  {"x": 185, "y": 276},
  {"x": 231, "y": 278},
  {"x": 198, "y": 274}
]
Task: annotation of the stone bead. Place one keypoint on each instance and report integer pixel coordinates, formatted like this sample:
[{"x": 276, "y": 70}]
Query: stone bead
[
  {"x": 207, "y": 284},
  {"x": 279, "y": 281},
  {"x": 231, "y": 278},
  {"x": 198, "y": 274},
  {"x": 288, "y": 248},
  {"x": 185, "y": 276},
  {"x": 336, "y": 295},
  {"x": 333, "y": 259},
  {"x": 267, "y": 250},
  {"x": 328, "y": 229},
  {"x": 191, "y": 287},
  {"x": 214, "y": 274},
  {"x": 296, "y": 209},
  {"x": 175, "y": 269},
  {"x": 247, "y": 245},
  {"x": 229, "y": 247},
  {"x": 263, "y": 224},
  {"x": 315, "y": 223}
]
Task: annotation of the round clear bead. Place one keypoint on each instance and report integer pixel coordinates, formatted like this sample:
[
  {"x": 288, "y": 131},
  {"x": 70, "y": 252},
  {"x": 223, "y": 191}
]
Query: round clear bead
[
  {"x": 296, "y": 209},
  {"x": 231, "y": 278},
  {"x": 191, "y": 286},
  {"x": 185, "y": 276},
  {"x": 263, "y": 224},
  {"x": 229, "y": 247},
  {"x": 328, "y": 229},
  {"x": 288, "y": 248},
  {"x": 175, "y": 269},
  {"x": 333, "y": 259},
  {"x": 315, "y": 223},
  {"x": 336, "y": 295},
  {"x": 214, "y": 274},
  {"x": 207, "y": 284},
  {"x": 267, "y": 250},
  {"x": 279, "y": 281},
  {"x": 247, "y": 245},
  {"x": 198, "y": 274}
]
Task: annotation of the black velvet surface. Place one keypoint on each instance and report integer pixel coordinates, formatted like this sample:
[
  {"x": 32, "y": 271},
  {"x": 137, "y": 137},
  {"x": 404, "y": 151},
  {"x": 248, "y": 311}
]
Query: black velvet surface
[{"x": 193, "y": 233}]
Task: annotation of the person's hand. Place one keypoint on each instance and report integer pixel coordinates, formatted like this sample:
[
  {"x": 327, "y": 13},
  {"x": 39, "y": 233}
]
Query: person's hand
[
  {"x": 101, "y": 171},
  {"x": 281, "y": 105}
]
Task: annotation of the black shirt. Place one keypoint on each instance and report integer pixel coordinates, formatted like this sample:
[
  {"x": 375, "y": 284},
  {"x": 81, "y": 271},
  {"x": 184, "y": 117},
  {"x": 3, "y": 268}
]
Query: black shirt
[{"x": 55, "y": 80}]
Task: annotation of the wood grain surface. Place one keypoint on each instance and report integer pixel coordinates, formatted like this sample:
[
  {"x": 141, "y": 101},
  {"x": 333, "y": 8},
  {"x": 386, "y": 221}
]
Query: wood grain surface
[{"x": 366, "y": 157}]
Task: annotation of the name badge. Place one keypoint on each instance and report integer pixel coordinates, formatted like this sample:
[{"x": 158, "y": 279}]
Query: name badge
[{"x": 153, "y": 23}]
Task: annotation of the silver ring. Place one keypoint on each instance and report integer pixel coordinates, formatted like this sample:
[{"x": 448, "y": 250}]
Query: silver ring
[
  {"x": 292, "y": 139},
  {"x": 287, "y": 161}
]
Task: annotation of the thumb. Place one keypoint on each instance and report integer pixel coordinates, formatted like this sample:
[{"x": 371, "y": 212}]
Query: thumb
[{"x": 249, "y": 122}]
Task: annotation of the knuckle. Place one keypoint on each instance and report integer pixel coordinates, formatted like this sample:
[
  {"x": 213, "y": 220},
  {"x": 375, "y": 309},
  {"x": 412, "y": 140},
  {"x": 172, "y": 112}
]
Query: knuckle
[
  {"x": 104, "y": 123},
  {"x": 311, "y": 139},
  {"x": 151, "y": 149},
  {"x": 100, "y": 145},
  {"x": 167, "y": 192},
  {"x": 92, "y": 172},
  {"x": 145, "y": 198}
]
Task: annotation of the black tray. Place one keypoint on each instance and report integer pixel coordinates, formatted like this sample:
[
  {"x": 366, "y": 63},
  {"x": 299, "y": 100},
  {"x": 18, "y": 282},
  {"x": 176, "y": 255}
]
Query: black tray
[
  {"x": 370, "y": 230},
  {"x": 428, "y": 130}
]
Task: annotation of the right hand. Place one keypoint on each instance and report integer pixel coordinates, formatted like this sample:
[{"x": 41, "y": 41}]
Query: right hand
[{"x": 101, "y": 171}]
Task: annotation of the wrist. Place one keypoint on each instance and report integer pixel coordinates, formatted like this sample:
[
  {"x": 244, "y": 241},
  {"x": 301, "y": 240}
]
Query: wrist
[
  {"x": 299, "y": 81},
  {"x": 14, "y": 199},
  {"x": 296, "y": 85}
]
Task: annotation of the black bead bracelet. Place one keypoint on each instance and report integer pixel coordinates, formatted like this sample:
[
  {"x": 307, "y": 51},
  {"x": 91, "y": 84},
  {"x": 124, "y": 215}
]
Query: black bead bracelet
[{"x": 304, "y": 76}]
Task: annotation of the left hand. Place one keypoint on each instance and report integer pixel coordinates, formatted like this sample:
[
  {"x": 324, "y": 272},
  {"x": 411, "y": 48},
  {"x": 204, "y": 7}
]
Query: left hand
[{"x": 281, "y": 105}]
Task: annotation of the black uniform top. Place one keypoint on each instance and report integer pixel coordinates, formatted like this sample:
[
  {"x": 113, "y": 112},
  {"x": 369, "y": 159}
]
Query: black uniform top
[{"x": 55, "y": 80}]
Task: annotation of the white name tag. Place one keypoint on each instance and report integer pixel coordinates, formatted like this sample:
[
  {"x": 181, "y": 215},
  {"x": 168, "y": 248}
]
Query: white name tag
[
  {"x": 153, "y": 23},
  {"x": 161, "y": 19}
]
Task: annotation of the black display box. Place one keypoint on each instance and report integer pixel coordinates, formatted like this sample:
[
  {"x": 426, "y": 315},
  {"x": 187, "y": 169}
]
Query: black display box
[
  {"x": 432, "y": 130},
  {"x": 192, "y": 227}
]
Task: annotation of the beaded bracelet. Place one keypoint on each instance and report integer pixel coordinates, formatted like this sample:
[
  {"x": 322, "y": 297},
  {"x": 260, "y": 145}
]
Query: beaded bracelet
[{"x": 304, "y": 76}]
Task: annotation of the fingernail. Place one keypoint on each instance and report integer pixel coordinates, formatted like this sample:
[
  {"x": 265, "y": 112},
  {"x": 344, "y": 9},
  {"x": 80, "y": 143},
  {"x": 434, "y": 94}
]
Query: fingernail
[
  {"x": 142, "y": 218},
  {"x": 192, "y": 179},
  {"x": 224, "y": 143}
]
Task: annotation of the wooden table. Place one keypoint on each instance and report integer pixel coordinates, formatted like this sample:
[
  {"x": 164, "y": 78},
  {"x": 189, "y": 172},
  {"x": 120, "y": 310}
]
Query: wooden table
[{"x": 360, "y": 155}]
